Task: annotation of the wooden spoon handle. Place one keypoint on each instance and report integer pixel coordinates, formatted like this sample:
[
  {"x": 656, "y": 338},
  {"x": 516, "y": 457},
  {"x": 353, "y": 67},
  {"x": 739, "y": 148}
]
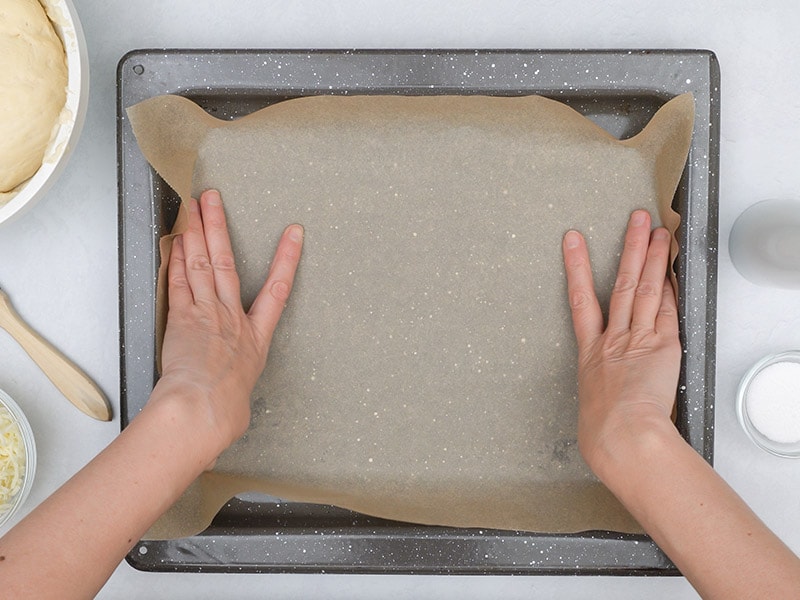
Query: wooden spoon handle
[{"x": 71, "y": 380}]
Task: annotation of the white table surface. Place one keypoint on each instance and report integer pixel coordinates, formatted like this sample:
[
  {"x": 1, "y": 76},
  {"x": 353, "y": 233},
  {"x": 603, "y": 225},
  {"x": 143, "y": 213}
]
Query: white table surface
[{"x": 59, "y": 261}]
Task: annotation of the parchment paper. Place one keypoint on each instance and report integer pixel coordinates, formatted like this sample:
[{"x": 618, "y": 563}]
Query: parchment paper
[{"x": 425, "y": 367}]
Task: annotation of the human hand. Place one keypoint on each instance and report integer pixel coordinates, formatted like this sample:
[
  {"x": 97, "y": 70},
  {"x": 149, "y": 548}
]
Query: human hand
[
  {"x": 627, "y": 370},
  {"x": 213, "y": 351}
]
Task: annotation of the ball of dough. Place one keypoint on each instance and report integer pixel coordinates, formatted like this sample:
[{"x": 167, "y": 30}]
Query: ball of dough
[{"x": 33, "y": 80}]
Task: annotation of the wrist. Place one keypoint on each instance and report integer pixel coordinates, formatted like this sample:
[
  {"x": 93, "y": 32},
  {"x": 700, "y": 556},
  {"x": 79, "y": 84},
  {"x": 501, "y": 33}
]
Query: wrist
[
  {"x": 188, "y": 419},
  {"x": 630, "y": 445}
]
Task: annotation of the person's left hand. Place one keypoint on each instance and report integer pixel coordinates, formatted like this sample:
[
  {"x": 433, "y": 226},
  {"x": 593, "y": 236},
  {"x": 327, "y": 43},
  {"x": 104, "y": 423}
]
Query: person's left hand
[{"x": 213, "y": 351}]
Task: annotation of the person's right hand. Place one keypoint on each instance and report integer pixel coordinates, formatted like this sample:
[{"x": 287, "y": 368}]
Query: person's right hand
[
  {"x": 628, "y": 369},
  {"x": 627, "y": 378}
]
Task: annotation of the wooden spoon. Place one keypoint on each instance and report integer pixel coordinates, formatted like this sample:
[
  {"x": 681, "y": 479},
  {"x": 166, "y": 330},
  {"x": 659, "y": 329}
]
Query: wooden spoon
[{"x": 73, "y": 383}]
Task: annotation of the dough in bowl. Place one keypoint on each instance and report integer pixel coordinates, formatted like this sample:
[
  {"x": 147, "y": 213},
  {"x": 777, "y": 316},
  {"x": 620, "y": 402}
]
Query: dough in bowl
[{"x": 33, "y": 77}]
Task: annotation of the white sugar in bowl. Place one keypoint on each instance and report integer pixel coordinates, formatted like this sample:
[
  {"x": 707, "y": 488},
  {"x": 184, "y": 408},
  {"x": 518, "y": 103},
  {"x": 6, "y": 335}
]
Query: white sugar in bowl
[{"x": 768, "y": 404}]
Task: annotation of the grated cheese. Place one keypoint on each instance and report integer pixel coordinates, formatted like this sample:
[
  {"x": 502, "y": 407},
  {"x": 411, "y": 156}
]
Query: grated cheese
[{"x": 12, "y": 460}]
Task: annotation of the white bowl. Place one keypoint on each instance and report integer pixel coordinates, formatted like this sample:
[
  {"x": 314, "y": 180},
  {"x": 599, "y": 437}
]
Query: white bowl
[
  {"x": 30, "y": 455},
  {"x": 65, "y": 20}
]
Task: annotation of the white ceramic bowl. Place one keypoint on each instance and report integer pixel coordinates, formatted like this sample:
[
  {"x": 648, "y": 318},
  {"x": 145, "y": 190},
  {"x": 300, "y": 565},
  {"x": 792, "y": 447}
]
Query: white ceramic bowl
[
  {"x": 68, "y": 28},
  {"x": 30, "y": 455},
  {"x": 747, "y": 417}
]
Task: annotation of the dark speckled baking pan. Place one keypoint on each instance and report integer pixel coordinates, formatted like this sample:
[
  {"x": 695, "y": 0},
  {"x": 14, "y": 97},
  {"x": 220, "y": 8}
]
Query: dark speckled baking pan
[{"x": 620, "y": 90}]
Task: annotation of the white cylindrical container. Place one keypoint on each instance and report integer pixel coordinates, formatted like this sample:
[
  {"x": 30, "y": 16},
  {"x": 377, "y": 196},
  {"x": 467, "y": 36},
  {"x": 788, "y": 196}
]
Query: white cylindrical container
[{"x": 765, "y": 243}]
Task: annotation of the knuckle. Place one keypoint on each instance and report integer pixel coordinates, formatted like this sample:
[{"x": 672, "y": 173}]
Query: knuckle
[
  {"x": 608, "y": 353},
  {"x": 214, "y": 219},
  {"x": 289, "y": 253},
  {"x": 574, "y": 263},
  {"x": 198, "y": 263},
  {"x": 207, "y": 320},
  {"x": 668, "y": 312},
  {"x": 613, "y": 347},
  {"x": 178, "y": 280},
  {"x": 659, "y": 250},
  {"x": 647, "y": 290},
  {"x": 625, "y": 283},
  {"x": 195, "y": 225},
  {"x": 280, "y": 291},
  {"x": 579, "y": 299},
  {"x": 224, "y": 262},
  {"x": 634, "y": 243}
]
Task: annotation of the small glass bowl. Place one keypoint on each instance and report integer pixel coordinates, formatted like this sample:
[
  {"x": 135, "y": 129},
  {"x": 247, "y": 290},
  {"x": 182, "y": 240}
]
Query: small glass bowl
[
  {"x": 785, "y": 450},
  {"x": 30, "y": 455}
]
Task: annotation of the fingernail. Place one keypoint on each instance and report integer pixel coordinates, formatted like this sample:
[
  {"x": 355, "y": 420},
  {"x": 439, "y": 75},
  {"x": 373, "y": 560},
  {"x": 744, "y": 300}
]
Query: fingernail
[
  {"x": 572, "y": 239},
  {"x": 660, "y": 234},
  {"x": 638, "y": 218},
  {"x": 296, "y": 233},
  {"x": 213, "y": 197}
]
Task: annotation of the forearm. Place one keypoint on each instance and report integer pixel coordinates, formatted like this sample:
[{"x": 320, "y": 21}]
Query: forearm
[
  {"x": 213, "y": 352},
  {"x": 712, "y": 536},
  {"x": 70, "y": 545}
]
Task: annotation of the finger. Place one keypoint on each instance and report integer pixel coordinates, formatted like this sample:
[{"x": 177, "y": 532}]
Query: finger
[
  {"x": 651, "y": 284},
  {"x": 667, "y": 317},
  {"x": 178, "y": 292},
  {"x": 587, "y": 318},
  {"x": 634, "y": 253},
  {"x": 198, "y": 265},
  {"x": 268, "y": 305},
  {"x": 220, "y": 253}
]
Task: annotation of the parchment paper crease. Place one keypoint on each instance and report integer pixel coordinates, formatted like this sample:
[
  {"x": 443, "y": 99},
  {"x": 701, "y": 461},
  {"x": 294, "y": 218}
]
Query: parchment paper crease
[{"x": 424, "y": 369}]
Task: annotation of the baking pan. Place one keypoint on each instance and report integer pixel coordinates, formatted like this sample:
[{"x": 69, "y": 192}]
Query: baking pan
[{"x": 618, "y": 89}]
